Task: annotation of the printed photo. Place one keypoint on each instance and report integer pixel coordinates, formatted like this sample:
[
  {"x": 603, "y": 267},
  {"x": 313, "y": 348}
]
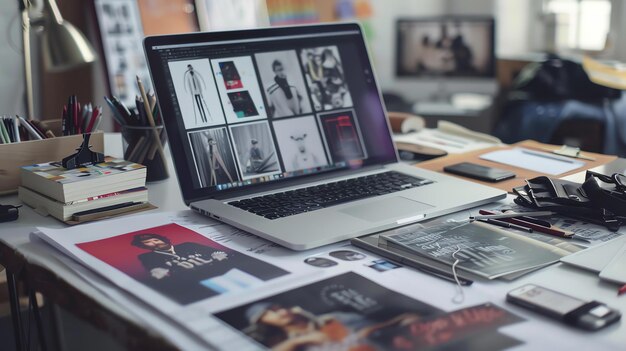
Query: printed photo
[
  {"x": 300, "y": 143},
  {"x": 239, "y": 89},
  {"x": 283, "y": 84},
  {"x": 196, "y": 93},
  {"x": 254, "y": 149},
  {"x": 121, "y": 35},
  {"x": 213, "y": 157},
  {"x": 347, "y": 255},
  {"x": 325, "y": 78},
  {"x": 383, "y": 265},
  {"x": 320, "y": 262},
  {"x": 180, "y": 263},
  {"x": 350, "y": 312},
  {"x": 342, "y": 135}
]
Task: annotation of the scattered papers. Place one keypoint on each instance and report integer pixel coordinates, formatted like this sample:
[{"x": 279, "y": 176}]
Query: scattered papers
[
  {"x": 596, "y": 258},
  {"x": 536, "y": 161},
  {"x": 449, "y": 137},
  {"x": 614, "y": 270}
]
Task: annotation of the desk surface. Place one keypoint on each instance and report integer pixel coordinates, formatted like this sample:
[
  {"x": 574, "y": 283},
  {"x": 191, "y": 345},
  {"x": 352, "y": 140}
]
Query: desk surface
[{"x": 166, "y": 195}]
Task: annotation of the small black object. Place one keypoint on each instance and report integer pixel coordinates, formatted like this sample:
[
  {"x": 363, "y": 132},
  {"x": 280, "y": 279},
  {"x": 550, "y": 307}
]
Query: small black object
[
  {"x": 9, "y": 213},
  {"x": 476, "y": 171},
  {"x": 84, "y": 156}
]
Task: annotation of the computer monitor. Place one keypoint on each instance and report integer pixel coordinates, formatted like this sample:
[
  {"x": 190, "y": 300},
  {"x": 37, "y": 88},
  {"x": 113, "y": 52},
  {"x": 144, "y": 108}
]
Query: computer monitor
[{"x": 437, "y": 57}]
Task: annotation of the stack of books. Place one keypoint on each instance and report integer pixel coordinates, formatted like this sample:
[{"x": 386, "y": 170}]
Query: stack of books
[{"x": 66, "y": 194}]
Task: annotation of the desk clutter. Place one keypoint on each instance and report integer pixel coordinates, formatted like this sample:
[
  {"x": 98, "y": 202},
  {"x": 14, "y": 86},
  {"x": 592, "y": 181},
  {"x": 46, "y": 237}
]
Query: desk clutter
[{"x": 85, "y": 193}]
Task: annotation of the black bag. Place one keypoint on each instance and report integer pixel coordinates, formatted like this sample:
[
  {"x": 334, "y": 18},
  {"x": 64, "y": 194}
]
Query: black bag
[
  {"x": 588, "y": 202},
  {"x": 558, "y": 79}
]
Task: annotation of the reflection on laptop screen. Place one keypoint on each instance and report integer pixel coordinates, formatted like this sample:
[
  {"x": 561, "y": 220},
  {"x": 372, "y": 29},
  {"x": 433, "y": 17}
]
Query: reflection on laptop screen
[{"x": 264, "y": 109}]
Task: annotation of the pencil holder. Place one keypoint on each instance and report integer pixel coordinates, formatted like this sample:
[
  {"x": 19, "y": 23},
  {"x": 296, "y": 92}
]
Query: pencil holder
[{"x": 141, "y": 146}]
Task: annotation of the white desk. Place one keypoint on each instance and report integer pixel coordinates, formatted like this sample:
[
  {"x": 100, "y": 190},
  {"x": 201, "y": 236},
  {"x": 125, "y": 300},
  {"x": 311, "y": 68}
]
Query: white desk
[{"x": 166, "y": 195}]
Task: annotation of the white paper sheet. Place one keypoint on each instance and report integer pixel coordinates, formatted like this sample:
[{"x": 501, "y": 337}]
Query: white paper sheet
[{"x": 537, "y": 161}]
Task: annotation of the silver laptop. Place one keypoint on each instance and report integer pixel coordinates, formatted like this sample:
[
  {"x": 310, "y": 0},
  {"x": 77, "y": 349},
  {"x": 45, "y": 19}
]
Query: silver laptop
[{"x": 282, "y": 132}]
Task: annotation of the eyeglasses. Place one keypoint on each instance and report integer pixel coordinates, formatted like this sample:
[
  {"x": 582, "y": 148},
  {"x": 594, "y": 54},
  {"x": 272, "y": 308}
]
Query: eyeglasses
[{"x": 618, "y": 179}]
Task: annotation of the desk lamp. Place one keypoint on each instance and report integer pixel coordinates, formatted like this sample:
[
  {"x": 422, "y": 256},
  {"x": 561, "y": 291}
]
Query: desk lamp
[{"x": 63, "y": 45}]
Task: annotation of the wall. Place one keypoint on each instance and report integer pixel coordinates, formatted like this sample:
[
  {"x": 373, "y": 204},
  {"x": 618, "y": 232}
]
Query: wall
[
  {"x": 383, "y": 44},
  {"x": 11, "y": 82}
]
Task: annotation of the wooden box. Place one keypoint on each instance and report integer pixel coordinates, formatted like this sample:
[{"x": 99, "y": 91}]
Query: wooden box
[{"x": 14, "y": 156}]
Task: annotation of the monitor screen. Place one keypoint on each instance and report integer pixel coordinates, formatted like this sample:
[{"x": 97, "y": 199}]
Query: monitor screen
[
  {"x": 445, "y": 46},
  {"x": 266, "y": 105}
]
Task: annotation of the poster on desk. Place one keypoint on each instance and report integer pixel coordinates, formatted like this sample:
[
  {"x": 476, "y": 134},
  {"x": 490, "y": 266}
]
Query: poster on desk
[
  {"x": 351, "y": 312},
  {"x": 181, "y": 264}
]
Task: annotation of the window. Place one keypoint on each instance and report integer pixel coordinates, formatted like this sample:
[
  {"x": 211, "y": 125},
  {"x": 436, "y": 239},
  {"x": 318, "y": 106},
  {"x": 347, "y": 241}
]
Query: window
[{"x": 579, "y": 24}]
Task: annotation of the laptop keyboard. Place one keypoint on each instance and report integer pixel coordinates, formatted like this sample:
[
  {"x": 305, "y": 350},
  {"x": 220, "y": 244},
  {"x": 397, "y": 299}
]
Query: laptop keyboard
[{"x": 313, "y": 198}]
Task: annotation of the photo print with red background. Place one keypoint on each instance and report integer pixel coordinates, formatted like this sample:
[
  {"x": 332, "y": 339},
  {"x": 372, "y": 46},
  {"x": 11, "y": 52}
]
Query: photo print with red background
[{"x": 193, "y": 268}]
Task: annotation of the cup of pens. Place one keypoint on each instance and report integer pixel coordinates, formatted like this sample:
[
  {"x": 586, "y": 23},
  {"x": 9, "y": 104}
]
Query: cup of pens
[{"x": 141, "y": 146}]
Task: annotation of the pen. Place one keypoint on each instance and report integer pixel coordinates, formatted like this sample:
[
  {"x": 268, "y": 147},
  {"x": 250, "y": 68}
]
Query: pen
[
  {"x": 495, "y": 215},
  {"x": 540, "y": 154},
  {"x": 536, "y": 227},
  {"x": 506, "y": 225},
  {"x": 621, "y": 290}
]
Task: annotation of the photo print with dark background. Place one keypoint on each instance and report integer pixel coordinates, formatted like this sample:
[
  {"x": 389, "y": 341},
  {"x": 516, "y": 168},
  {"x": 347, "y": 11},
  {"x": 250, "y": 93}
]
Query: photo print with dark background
[
  {"x": 180, "y": 263},
  {"x": 300, "y": 143},
  {"x": 213, "y": 157},
  {"x": 325, "y": 77},
  {"x": 342, "y": 136},
  {"x": 351, "y": 312},
  {"x": 283, "y": 83},
  {"x": 242, "y": 104},
  {"x": 254, "y": 149},
  {"x": 239, "y": 89},
  {"x": 196, "y": 94}
]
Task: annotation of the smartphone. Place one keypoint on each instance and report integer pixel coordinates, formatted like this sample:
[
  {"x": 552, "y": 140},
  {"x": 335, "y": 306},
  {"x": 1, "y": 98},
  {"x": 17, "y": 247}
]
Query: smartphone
[
  {"x": 479, "y": 172},
  {"x": 588, "y": 315}
]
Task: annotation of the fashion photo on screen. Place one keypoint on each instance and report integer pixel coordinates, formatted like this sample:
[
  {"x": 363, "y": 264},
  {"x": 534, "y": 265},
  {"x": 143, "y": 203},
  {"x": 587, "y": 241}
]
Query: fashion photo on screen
[
  {"x": 325, "y": 77},
  {"x": 213, "y": 157},
  {"x": 283, "y": 83}
]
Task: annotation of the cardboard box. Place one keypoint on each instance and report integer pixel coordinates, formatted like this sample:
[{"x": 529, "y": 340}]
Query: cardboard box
[{"x": 14, "y": 156}]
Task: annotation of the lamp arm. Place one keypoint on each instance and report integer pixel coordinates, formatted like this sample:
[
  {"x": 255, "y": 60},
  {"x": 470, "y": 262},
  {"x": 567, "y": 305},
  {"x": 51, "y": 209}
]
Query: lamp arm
[
  {"x": 50, "y": 7},
  {"x": 28, "y": 70}
]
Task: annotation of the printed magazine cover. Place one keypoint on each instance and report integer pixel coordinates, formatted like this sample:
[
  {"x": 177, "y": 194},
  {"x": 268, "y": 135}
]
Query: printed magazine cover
[
  {"x": 180, "y": 263},
  {"x": 350, "y": 312}
]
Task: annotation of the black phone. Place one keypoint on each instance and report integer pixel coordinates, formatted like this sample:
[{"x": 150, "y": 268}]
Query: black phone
[
  {"x": 479, "y": 172},
  {"x": 588, "y": 315}
]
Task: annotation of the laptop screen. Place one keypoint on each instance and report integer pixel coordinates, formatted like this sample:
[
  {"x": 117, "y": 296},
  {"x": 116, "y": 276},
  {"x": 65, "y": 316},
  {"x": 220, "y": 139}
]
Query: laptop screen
[{"x": 246, "y": 108}]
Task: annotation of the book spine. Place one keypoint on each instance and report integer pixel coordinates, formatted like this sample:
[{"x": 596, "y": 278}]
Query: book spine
[{"x": 92, "y": 198}]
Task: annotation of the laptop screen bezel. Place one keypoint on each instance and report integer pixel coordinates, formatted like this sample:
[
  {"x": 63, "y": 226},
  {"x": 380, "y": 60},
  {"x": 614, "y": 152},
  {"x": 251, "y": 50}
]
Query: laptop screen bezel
[{"x": 166, "y": 106}]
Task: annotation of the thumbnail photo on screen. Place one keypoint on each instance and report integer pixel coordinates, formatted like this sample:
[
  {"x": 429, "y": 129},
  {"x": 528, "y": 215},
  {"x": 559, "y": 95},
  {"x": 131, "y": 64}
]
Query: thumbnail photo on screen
[
  {"x": 254, "y": 149},
  {"x": 325, "y": 78},
  {"x": 213, "y": 157},
  {"x": 196, "y": 94},
  {"x": 239, "y": 89},
  {"x": 342, "y": 136},
  {"x": 300, "y": 143},
  {"x": 283, "y": 83}
]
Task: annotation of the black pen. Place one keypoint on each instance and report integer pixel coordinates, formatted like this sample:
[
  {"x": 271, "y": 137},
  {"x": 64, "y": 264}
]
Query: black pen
[{"x": 506, "y": 225}]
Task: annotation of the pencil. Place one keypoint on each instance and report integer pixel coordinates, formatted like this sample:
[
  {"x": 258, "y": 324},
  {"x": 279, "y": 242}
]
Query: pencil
[{"x": 155, "y": 134}]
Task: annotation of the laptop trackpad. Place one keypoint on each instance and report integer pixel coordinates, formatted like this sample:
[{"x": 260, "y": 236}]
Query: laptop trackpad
[{"x": 392, "y": 207}]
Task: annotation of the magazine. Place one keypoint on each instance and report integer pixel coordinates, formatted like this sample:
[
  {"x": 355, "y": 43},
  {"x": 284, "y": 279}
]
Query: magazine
[
  {"x": 481, "y": 249},
  {"x": 350, "y": 312}
]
